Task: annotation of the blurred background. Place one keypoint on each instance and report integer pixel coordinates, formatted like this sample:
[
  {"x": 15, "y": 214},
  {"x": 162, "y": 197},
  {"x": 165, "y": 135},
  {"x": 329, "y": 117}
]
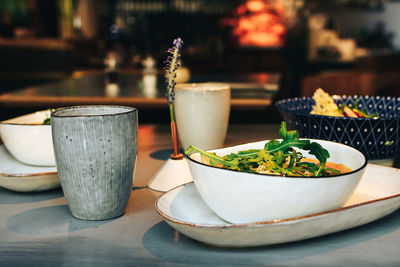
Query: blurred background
[{"x": 342, "y": 46}]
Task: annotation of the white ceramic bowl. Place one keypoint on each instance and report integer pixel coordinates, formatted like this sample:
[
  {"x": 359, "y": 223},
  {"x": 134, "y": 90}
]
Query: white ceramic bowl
[
  {"x": 28, "y": 140},
  {"x": 241, "y": 197}
]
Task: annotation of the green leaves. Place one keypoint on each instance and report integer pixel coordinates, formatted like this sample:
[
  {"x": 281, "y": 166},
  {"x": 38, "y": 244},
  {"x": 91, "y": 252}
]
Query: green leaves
[
  {"x": 214, "y": 159},
  {"x": 277, "y": 157},
  {"x": 47, "y": 121},
  {"x": 320, "y": 153},
  {"x": 357, "y": 112}
]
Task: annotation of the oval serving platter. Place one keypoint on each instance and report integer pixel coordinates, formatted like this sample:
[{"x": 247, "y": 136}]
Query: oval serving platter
[
  {"x": 20, "y": 177},
  {"x": 377, "y": 195}
]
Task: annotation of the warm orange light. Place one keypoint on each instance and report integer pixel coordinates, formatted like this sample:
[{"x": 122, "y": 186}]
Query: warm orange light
[
  {"x": 146, "y": 130},
  {"x": 255, "y": 5},
  {"x": 261, "y": 77},
  {"x": 241, "y": 10},
  {"x": 258, "y": 25},
  {"x": 279, "y": 29}
]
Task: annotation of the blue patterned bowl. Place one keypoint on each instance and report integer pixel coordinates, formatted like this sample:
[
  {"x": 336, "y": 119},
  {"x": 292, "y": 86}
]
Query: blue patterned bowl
[{"x": 378, "y": 139}]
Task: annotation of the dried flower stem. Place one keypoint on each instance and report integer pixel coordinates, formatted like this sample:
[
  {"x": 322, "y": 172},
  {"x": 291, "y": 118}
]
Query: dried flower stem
[{"x": 171, "y": 66}]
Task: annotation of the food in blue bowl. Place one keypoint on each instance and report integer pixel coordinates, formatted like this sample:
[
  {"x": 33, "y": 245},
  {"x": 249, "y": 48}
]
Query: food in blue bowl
[{"x": 377, "y": 136}]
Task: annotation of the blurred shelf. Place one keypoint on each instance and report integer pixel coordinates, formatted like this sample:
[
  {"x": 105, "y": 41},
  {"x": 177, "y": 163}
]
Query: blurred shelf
[
  {"x": 254, "y": 92},
  {"x": 34, "y": 43}
]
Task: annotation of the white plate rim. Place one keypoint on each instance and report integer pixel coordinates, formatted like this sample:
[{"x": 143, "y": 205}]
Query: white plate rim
[
  {"x": 260, "y": 223},
  {"x": 24, "y": 175},
  {"x": 45, "y": 169},
  {"x": 37, "y": 179}
]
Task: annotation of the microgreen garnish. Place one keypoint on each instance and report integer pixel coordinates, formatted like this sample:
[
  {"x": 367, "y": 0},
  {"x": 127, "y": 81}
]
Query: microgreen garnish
[
  {"x": 47, "y": 120},
  {"x": 277, "y": 157},
  {"x": 352, "y": 110}
]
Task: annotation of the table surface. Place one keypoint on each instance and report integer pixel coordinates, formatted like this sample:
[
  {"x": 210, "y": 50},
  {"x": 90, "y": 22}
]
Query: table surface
[
  {"x": 249, "y": 91},
  {"x": 38, "y": 228}
]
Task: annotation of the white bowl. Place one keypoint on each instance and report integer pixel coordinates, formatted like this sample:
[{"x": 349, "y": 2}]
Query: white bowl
[
  {"x": 28, "y": 140},
  {"x": 242, "y": 197}
]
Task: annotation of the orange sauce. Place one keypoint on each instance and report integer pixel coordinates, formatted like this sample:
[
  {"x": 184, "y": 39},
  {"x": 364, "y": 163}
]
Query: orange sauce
[{"x": 340, "y": 167}]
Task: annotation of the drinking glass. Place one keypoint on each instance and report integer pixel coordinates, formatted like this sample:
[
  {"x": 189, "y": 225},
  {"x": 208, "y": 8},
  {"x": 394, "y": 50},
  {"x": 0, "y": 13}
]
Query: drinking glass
[
  {"x": 202, "y": 114},
  {"x": 95, "y": 149}
]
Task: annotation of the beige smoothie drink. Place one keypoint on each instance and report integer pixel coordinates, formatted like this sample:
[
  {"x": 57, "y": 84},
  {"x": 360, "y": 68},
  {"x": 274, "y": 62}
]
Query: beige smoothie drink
[{"x": 202, "y": 114}]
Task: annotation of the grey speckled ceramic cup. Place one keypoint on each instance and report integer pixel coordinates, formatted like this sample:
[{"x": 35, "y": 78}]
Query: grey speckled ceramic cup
[{"x": 95, "y": 149}]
